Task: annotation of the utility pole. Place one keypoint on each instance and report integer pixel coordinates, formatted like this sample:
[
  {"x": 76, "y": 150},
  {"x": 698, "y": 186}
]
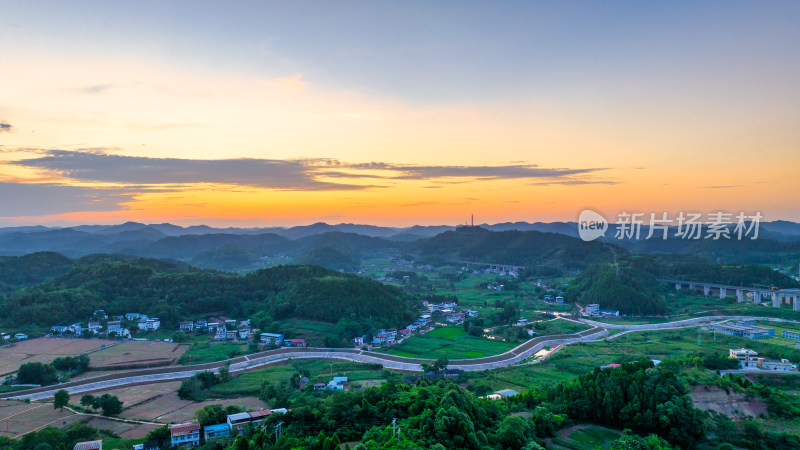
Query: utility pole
[{"x": 394, "y": 428}]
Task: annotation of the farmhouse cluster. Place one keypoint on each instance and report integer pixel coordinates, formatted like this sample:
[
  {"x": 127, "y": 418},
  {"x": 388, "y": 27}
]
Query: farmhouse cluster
[
  {"x": 101, "y": 324},
  {"x": 432, "y": 314}
]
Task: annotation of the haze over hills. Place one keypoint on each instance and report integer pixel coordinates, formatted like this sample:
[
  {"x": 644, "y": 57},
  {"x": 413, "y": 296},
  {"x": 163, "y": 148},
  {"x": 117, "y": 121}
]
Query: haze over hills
[{"x": 342, "y": 246}]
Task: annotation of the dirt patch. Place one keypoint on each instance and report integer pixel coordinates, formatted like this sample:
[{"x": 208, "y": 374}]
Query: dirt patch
[
  {"x": 733, "y": 405},
  {"x": 45, "y": 350},
  {"x": 138, "y": 354}
]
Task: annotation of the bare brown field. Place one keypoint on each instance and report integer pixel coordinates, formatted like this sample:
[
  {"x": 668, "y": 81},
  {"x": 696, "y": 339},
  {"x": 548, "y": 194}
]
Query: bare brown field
[
  {"x": 125, "y": 430},
  {"x": 18, "y": 418},
  {"x": 159, "y": 402},
  {"x": 168, "y": 408},
  {"x": 45, "y": 349},
  {"x": 131, "y": 354}
]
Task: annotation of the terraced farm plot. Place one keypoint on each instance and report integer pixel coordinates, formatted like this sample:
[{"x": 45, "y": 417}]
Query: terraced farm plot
[
  {"x": 18, "y": 418},
  {"x": 132, "y": 354},
  {"x": 452, "y": 342},
  {"x": 46, "y": 349},
  {"x": 168, "y": 408}
]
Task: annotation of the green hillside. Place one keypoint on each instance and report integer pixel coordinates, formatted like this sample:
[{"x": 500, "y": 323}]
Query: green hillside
[{"x": 174, "y": 292}]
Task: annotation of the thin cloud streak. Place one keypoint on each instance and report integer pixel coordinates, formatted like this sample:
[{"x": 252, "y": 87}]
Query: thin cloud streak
[{"x": 298, "y": 174}]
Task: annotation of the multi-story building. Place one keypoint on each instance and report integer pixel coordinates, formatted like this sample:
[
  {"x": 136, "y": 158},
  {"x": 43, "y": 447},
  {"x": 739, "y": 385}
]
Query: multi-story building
[{"x": 187, "y": 434}]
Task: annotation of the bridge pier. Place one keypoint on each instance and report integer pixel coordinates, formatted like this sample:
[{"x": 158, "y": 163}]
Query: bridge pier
[
  {"x": 692, "y": 287},
  {"x": 723, "y": 293},
  {"x": 756, "y": 297},
  {"x": 739, "y": 296},
  {"x": 796, "y": 302},
  {"x": 776, "y": 300},
  {"x": 677, "y": 286},
  {"x": 706, "y": 290}
]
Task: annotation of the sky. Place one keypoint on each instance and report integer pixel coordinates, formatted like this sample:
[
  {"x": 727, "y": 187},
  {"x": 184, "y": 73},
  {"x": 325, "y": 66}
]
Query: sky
[{"x": 395, "y": 113}]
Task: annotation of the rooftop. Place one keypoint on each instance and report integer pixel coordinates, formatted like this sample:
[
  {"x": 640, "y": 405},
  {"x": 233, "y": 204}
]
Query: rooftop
[{"x": 184, "y": 428}]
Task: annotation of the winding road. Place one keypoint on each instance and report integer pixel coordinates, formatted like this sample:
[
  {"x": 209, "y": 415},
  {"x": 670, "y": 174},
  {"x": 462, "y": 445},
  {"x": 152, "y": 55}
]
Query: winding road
[{"x": 511, "y": 357}]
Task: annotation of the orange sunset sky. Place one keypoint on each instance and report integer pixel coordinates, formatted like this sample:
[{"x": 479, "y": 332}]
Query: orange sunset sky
[{"x": 395, "y": 113}]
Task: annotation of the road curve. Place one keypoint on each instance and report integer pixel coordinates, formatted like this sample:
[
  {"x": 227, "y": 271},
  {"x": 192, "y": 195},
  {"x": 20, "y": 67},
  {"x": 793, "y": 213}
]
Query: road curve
[
  {"x": 255, "y": 360},
  {"x": 688, "y": 323}
]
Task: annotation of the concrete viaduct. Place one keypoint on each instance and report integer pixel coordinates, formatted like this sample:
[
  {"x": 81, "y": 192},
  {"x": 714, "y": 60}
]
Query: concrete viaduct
[{"x": 778, "y": 296}]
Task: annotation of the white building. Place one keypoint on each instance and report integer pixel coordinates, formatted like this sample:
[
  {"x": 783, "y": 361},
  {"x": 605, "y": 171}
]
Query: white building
[{"x": 593, "y": 309}]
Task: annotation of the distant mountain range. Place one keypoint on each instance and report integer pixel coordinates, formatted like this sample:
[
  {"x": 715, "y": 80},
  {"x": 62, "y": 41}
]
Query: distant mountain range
[{"x": 342, "y": 246}]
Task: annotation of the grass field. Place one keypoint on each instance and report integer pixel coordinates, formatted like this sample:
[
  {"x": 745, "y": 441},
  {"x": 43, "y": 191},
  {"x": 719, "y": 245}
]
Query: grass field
[
  {"x": 452, "y": 342},
  {"x": 212, "y": 351},
  {"x": 137, "y": 353},
  {"x": 576, "y": 359},
  {"x": 249, "y": 383},
  {"x": 45, "y": 350},
  {"x": 584, "y": 437},
  {"x": 313, "y": 332}
]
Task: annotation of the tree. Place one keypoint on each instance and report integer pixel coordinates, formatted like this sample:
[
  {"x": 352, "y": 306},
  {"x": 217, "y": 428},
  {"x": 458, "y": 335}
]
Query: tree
[
  {"x": 110, "y": 405},
  {"x": 60, "y": 399},
  {"x": 441, "y": 363},
  {"x": 87, "y": 401},
  {"x": 36, "y": 373}
]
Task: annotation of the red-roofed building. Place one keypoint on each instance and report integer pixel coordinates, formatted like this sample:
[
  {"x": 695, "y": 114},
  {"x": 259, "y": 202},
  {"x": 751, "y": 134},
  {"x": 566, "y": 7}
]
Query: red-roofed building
[
  {"x": 187, "y": 434},
  {"x": 258, "y": 417},
  {"x": 297, "y": 342}
]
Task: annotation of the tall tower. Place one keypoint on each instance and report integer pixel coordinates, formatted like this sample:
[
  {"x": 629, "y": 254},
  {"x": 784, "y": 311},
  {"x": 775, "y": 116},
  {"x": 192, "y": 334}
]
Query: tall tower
[{"x": 473, "y": 219}]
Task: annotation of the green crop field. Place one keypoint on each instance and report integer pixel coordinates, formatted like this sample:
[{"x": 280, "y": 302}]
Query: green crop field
[
  {"x": 212, "y": 351},
  {"x": 451, "y": 342},
  {"x": 249, "y": 383},
  {"x": 573, "y": 360}
]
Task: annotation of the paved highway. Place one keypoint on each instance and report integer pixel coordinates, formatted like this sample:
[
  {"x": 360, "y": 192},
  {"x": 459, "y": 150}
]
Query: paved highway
[
  {"x": 511, "y": 357},
  {"x": 255, "y": 360}
]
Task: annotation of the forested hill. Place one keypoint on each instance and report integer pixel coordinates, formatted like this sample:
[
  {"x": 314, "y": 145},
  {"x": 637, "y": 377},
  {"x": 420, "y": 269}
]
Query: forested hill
[
  {"x": 173, "y": 293},
  {"x": 28, "y": 270},
  {"x": 627, "y": 288},
  {"x": 511, "y": 247}
]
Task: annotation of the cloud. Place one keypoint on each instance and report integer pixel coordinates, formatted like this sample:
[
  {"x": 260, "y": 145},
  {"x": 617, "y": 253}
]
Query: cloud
[
  {"x": 723, "y": 187},
  {"x": 262, "y": 173},
  {"x": 33, "y": 199},
  {"x": 5, "y": 127},
  {"x": 297, "y": 174},
  {"x": 514, "y": 171},
  {"x": 574, "y": 182},
  {"x": 95, "y": 89}
]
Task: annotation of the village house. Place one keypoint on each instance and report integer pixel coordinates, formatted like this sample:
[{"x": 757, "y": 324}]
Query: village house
[
  {"x": 358, "y": 341},
  {"x": 114, "y": 326},
  {"x": 271, "y": 338},
  {"x": 220, "y": 333},
  {"x": 187, "y": 434},
  {"x": 94, "y": 326},
  {"x": 216, "y": 431},
  {"x": 746, "y": 357},
  {"x": 296, "y": 342},
  {"x": 767, "y": 364},
  {"x": 592, "y": 309},
  {"x": 337, "y": 383},
  {"x": 132, "y": 316},
  {"x": 257, "y": 418},
  {"x": 149, "y": 324},
  {"x": 238, "y": 422},
  {"x": 200, "y": 323},
  {"x": 186, "y": 326}
]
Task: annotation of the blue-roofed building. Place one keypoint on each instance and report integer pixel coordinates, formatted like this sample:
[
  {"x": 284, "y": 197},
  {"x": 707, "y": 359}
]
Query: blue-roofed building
[{"x": 217, "y": 431}]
